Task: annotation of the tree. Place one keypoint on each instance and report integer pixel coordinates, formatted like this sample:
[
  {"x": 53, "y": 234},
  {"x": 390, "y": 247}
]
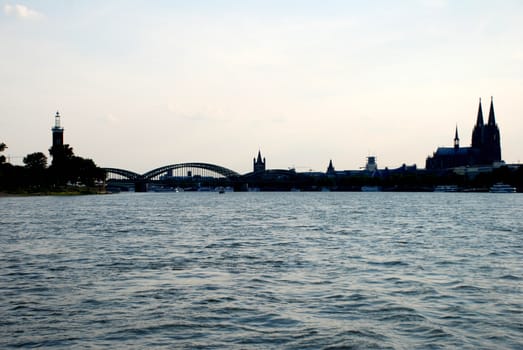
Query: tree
[
  {"x": 61, "y": 154},
  {"x": 35, "y": 170},
  {"x": 85, "y": 171},
  {"x": 35, "y": 161},
  {"x": 60, "y": 169},
  {"x": 68, "y": 168}
]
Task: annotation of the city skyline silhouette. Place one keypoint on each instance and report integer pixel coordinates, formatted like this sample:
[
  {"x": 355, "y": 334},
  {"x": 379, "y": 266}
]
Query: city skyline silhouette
[{"x": 143, "y": 85}]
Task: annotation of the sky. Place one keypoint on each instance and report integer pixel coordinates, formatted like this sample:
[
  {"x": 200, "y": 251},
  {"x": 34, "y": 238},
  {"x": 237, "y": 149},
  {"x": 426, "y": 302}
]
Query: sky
[{"x": 143, "y": 84}]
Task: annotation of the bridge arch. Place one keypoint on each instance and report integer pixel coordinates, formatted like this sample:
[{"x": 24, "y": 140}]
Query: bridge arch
[
  {"x": 131, "y": 175},
  {"x": 225, "y": 172}
]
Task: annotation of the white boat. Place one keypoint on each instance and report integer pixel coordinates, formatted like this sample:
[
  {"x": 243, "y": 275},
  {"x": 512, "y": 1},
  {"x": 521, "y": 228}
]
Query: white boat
[
  {"x": 446, "y": 188},
  {"x": 502, "y": 188}
]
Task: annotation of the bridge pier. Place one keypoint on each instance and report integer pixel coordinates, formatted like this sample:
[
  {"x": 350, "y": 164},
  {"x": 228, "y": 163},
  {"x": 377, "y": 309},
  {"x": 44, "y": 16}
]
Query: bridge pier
[{"x": 140, "y": 186}]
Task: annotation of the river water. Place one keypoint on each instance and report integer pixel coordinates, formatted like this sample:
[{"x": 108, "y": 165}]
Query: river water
[{"x": 262, "y": 270}]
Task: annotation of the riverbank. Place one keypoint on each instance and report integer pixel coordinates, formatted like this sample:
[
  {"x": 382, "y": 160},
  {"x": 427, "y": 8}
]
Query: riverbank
[{"x": 71, "y": 191}]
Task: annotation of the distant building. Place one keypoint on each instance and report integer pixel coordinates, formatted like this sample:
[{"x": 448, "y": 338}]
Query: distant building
[
  {"x": 485, "y": 148},
  {"x": 330, "y": 169},
  {"x": 258, "y": 163},
  {"x": 371, "y": 166},
  {"x": 58, "y": 131}
]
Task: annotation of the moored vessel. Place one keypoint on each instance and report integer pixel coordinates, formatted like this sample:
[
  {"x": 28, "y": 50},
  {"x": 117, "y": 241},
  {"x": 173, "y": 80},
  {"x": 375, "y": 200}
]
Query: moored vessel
[
  {"x": 502, "y": 188},
  {"x": 446, "y": 188}
]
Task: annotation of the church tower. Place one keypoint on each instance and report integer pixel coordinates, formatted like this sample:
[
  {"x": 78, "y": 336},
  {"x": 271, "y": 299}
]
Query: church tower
[
  {"x": 330, "y": 169},
  {"x": 477, "y": 133},
  {"x": 258, "y": 163},
  {"x": 485, "y": 149},
  {"x": 456, "y": 139},
  {"x": 58, "y": 131},
  {"x": 491, "y": 150}
]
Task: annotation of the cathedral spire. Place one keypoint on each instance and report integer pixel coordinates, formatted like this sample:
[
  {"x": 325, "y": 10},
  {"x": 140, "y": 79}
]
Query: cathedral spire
[
  {"x": 491, "y": 116},
  {"x": 456, "y": 139},
  {"x": 479, "y": 121},
  {"x": 330, "y": 169}
]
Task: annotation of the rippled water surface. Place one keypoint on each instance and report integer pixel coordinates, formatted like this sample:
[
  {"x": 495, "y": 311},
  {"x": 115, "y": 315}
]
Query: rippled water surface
[{"x": 262, "y": 270}]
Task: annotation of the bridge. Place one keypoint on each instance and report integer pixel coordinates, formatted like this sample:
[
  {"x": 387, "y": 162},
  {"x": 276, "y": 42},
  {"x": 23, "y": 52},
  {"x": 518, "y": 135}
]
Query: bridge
[{"x": 189, "y": 175}]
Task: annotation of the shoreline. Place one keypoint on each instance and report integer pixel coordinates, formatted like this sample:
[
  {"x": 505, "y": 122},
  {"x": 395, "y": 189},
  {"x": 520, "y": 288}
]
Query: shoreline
[{"x": 51, "y": 193}]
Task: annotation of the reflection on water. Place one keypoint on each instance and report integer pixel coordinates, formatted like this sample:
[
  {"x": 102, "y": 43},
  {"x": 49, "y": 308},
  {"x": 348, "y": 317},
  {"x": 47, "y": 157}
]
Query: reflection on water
[{"x": 262, "y": 270}]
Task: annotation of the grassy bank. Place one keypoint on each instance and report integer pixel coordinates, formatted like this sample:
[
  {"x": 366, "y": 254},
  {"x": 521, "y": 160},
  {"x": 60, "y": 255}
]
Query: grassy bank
[{"x": 62, "y": 191}]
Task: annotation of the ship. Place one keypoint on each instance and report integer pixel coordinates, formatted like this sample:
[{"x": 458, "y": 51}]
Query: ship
[{"x": 502, "y": 188}]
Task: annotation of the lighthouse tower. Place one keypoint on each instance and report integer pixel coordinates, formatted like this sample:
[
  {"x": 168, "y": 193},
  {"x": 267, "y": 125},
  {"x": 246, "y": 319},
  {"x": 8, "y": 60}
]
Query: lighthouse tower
[{"x": 58, "y": 131}]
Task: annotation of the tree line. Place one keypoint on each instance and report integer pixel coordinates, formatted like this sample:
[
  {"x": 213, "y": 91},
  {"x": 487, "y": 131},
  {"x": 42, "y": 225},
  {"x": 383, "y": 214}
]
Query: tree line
[{"x": 65, "y": 173}]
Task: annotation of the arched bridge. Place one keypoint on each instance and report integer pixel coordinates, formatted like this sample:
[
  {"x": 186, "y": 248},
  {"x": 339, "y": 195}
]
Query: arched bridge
[
  {"x": 127, "y": 174},
  {"x": 174, "y": 174},
  {"x": 228, "y": 173}
]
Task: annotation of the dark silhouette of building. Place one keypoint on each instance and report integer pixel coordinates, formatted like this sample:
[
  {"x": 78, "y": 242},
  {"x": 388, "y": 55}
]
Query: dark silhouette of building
[
  {"x": 330, "y": 169},
  {"x": 487, "y": 138},
  {"x": 258, "y": 163},
  {"x": 485, "y": 148},
  {"x": 58, "y": 131}
]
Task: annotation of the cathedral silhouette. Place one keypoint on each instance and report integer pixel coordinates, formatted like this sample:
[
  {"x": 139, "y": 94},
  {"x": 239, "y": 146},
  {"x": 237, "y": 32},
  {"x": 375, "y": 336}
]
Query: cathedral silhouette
[{"x": 485, "y": 148}]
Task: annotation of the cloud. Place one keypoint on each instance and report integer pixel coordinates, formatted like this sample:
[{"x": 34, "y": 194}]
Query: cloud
[
  {"x": 22, "y": 12},
  {"x": 112, "y": 119}
]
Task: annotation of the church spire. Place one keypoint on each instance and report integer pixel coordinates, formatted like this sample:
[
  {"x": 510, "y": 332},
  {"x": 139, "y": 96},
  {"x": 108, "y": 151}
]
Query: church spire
[
  {"x": 479, "y": 121},
  {"x": 456, "y": 139},
  {"x": 478, "y": 132},
  {"x": 491, "y": 116},
  {"x": 258, "y": 163},
  {"x": 330, "y": 169}
]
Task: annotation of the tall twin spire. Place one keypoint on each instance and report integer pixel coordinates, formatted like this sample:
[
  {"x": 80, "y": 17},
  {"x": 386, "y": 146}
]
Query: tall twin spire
[
  {"x": 491, "y": 115},
  {"x": 479, "y": 121},
  {"x": 479, "y": 134}
]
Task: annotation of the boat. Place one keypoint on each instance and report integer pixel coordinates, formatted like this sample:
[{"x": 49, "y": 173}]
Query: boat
[
  {"x": 446, "y": 188},
  {"x": 502, "y": 188},
  {"x": 222, "y": 190},
  {"x": 162, "y": 189},
  {"x": 370, "y": 189}
]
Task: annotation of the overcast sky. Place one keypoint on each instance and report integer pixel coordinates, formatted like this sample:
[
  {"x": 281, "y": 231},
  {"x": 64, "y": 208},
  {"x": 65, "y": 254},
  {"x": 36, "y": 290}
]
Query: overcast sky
[{"x": 142, "y": 84}]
